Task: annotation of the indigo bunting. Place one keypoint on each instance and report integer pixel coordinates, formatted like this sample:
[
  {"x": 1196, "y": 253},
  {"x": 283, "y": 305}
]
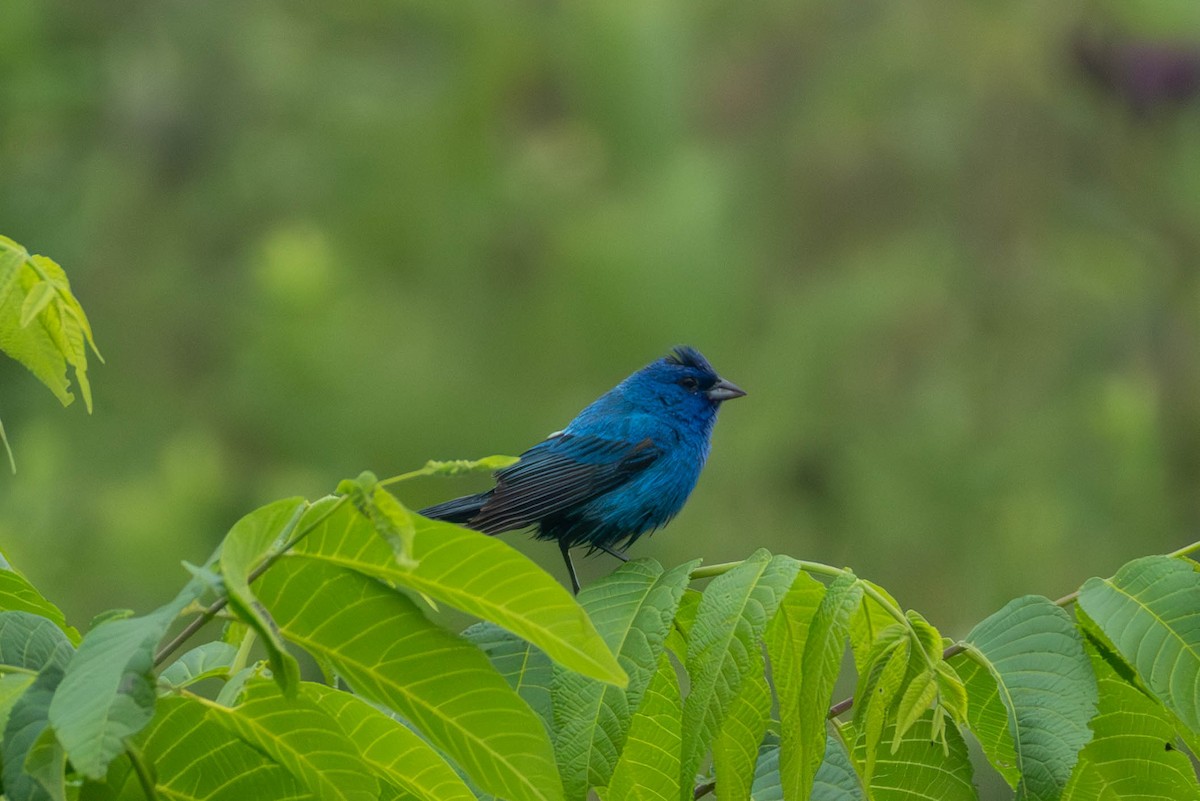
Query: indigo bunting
[{"x": 624, "y": 466}]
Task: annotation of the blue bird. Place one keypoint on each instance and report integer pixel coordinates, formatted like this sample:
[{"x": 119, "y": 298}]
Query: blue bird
[{"x": 624, "y": 466}]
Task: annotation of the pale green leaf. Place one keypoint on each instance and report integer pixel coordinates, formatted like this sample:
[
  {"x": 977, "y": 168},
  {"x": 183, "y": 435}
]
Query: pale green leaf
[
  {"x": 648, "y": 769},
  {"x": 632, "y": 608},
  {"x": 685, "y": 617},
  {"x": 383, "y": 646},
  {"x": 1035, "y": 654},
  {"x": 1131, "y": 755},
  {"x": 735, "y": 750},
  {"x": 868, "y": 622},
  {"x": 12, "y": 687},
  {"x": 304, "y": 738},
  {"x": 194, "y": 758},
  {"x": 1150, "y": 612},
  {"x": 477, "y": 574},
  {"x": 394, "y": 752},
  {"x": 250, "y": 542},
  {"x": 785, "y": 638},
  {"x": 39, "y": 298},
  {"x": 823, "y": 649},
  {"x": 725, "y": 646}
]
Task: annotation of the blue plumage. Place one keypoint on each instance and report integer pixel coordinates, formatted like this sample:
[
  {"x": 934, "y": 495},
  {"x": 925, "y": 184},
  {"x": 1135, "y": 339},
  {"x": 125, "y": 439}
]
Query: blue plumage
[{"x": 624, "y": 466}]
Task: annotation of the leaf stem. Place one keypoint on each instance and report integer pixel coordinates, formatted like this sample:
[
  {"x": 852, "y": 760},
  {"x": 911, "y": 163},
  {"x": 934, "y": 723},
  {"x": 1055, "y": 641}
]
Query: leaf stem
[{"x": 144, "y": 772}]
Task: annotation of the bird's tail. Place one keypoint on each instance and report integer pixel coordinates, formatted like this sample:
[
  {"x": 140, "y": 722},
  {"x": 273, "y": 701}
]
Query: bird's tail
[{"x": 459, "y": 510}]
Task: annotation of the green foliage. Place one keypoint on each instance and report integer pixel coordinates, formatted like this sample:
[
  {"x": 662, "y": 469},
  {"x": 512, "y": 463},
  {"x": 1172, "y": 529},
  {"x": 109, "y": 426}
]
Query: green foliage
[
  {"x": 1078, "y": 711},
  {"x": 550, "y": 697},
  {"x": 42, "y": 325}
]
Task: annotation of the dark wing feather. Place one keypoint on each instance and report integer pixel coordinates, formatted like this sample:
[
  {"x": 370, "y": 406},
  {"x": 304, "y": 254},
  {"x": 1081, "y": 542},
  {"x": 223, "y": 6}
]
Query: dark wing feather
[{"x": 558, "y": 474}]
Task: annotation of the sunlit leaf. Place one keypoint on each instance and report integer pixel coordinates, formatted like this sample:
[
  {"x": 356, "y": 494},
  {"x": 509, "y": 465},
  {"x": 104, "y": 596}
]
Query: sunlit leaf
[
  {"x": 648, "y": 769},
  {"x": 194, "y": 758},
  {"x": 27, "y": 720},
  {"x": 735, "y": 751},
  {"x": 823, "y": 649},
  {"x": 477, "y": 574},
  {"x": 392, "y": 750},
  {"x": 304, "y": 738},
  {"x": 785, "y": 638},
  {"x": 632, "y": 609},
  {"x": 383, "y": 646},
  {"x": 725, "y": 647}
]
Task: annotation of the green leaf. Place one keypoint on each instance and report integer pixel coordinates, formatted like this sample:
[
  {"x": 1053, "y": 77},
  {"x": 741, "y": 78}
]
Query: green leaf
[
  {"x": 26, "y": 722},
  {"x": 381, "y": 643},
  {"x": 458, "y": 467},
  {"x": 735, "y": 750},
  {"x": 1034, "y": 652},
  {"x": 39, "y": 297},
  {"x": 17, "y": 594},
  {"x": 210, "y": 660},
  {"x": 823, "y": 649},
  {"x": 648, "y": 769},
  {"x": 685, "y": 618},
  {"x": 1131, "y": 753},
  {"x": 251, "y": 541},
  {"x": 919, "y": 769},
  {"x": 632, "y": 609},
  {"x": 194, "y": 758},
  {"x": 786, "y": 637},
  {"x": 481, "y": 575},
  {"x": 1150, "y": 612},
  {"x": 836, "y": 779},
  {"x": 525, "y": 667},
  {"x": 724, "y": 647},
  {"x": 304, "y": 738},
  {"x": 867, "y": 623},
  {"x": 12, "y": 687},
  {"x": 45, "y": 332},
  {"x": 987, "y": 713},
  {"x": 393, "y": 751},
  {"x": 32, "y": 642},
  {"x": 878, "y": 690},
  {"x": 108, "y": 693},
  {"x": 387, "y": 516},
  {"x": 46, "y": 763}
]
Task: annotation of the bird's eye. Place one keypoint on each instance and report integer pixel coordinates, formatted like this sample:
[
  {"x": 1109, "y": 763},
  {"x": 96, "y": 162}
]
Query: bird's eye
[{"x": 689, "y": 383}]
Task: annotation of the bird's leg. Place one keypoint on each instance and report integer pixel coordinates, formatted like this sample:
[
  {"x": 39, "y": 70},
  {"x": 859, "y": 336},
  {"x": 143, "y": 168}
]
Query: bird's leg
[
  {"x": 565, "y": 547},
  {"x": 611, "y": 552}
]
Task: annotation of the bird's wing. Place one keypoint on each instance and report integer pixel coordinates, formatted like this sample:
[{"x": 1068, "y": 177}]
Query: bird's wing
[{"x": 560, "y": 473}]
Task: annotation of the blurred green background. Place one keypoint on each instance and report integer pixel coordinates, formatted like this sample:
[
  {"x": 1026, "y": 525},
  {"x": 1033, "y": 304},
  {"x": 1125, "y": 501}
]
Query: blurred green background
[{"x": 956, "y": 271}]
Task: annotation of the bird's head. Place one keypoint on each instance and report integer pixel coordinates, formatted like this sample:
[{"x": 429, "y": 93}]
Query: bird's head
[{"x": 685, "y": 383}]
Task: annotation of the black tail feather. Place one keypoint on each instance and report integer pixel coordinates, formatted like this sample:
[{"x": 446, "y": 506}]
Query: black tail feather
[{"x": 459, "y": 510}]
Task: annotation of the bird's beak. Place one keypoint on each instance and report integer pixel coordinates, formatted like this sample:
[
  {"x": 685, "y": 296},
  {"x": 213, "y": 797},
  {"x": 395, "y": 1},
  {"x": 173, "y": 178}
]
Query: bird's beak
[{"x": 724, "y": 390}]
